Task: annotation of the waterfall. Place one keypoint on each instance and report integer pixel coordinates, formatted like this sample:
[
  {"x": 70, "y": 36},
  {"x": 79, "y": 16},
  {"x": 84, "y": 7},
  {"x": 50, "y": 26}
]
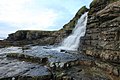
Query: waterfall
[{"x": 72, "y": 41}]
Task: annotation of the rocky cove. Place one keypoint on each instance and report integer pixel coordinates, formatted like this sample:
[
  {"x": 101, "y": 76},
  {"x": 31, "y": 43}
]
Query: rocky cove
[{"x": 29, "y": 55}]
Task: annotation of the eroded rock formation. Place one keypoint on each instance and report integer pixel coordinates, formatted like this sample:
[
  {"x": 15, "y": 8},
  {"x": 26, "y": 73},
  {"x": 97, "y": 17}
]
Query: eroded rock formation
[
  {"x": 102, "y": 40},
  {"x": 102, "y": 37}
]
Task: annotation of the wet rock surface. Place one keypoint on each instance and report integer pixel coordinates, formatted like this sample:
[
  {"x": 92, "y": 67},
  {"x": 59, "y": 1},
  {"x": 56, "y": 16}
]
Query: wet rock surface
[
  {"x": 19, "y": 65},
  {"x": 29, "y": 58},
  {"x": 18, "y": 70}
]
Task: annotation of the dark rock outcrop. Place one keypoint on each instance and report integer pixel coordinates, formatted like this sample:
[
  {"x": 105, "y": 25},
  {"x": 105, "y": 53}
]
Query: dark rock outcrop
[
  {"x": 24, "y": 37},
  {"x": 29, "y": 35},
  {"x": 102, "y": 38}
]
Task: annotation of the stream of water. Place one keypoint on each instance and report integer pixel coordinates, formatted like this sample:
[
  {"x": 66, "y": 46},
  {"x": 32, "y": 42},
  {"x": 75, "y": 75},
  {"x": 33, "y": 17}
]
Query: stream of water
[{"x": 72, "y": 41}]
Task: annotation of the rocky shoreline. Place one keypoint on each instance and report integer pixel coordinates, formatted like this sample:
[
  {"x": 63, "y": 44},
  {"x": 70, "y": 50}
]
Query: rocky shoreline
[
  {"x": 98, "y": 57},
  {"x": 18, "y": 65}
]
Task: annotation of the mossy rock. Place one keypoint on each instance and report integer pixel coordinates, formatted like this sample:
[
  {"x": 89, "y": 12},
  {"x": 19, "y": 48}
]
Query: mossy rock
[
  {"x": 73, "y": 22},
  {"x": 81, "y": 11}
]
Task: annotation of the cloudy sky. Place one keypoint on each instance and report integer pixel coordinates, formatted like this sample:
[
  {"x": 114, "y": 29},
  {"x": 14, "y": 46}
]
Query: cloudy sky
[{"x": 37, "y": 14}]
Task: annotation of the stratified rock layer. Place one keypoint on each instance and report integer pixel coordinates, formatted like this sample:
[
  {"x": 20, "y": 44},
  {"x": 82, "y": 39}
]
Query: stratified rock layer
[{"x": 102, "y": 37}]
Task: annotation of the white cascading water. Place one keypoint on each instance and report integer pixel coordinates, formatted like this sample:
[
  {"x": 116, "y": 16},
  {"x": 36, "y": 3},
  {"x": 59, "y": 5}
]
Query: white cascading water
[{"x": 72, "y": 41}]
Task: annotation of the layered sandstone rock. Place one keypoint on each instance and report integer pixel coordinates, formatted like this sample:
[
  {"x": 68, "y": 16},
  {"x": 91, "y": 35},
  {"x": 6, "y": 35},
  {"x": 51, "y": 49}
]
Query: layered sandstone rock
[
  {"x": 102, "y": 37},
  {"x": 29, "y": 35},
  {"x": 24, "y": 37}
]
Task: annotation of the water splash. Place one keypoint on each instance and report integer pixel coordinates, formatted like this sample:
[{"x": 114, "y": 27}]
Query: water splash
[{"x": 72, "y": 41}]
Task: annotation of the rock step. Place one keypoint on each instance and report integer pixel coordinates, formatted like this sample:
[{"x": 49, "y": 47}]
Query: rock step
[
  {"x": 27, "y": 57},
  {"x": 13, "y": 69},
  {"x": 110, "y": 68},
  {"x": 115, "y": 70}
]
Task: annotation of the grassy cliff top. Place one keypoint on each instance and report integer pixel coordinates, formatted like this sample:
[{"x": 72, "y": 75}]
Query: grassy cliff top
[{"x": 70, "y": 25}]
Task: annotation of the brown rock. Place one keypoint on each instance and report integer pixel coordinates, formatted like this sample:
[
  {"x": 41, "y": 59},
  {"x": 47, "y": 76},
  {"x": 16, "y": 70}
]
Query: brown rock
[{"x": 102, "y": 39}]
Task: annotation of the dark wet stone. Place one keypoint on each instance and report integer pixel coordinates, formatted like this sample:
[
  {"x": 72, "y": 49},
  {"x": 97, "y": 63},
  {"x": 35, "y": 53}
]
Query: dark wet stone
[
  {"x": 57, "y": 61},
  {"x": 23, "y": 70},
  {"x": 44, "y": 60},
  {"x": 27, "y": 57},
  {"x": 62, "y": 50},
  {"x": 40, "y": 73}
]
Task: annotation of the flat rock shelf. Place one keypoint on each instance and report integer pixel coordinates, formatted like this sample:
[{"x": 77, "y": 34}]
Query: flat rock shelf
[{"x": 44, "y": 63}]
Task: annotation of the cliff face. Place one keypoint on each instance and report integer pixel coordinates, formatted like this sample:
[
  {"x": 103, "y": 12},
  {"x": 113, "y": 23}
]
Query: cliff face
[
  {"x": 29, "y": 35},
  {"x": 24, "y": 37},
  {"x": 102, "y": 37}
]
